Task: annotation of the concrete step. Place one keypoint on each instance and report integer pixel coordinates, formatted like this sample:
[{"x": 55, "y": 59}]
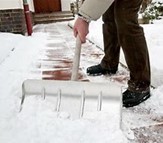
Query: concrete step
[
  {"x": 53, "y": 17},
  {"x": 49, "y": 20},
  {"x": 54, "y": 14}
]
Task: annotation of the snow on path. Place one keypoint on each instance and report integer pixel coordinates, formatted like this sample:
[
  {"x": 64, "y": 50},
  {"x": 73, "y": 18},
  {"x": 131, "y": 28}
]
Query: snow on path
[
  {"x": 38, "y": 122},
  {"x": 43, "y": 126}
]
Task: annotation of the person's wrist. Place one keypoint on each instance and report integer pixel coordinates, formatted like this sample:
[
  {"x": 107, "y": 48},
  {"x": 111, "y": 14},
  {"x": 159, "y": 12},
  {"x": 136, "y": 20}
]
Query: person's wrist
[{"x": 84, "y": 18}]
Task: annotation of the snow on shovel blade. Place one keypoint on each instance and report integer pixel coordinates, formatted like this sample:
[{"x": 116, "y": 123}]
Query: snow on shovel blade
[{"x": 74, "y": 97}]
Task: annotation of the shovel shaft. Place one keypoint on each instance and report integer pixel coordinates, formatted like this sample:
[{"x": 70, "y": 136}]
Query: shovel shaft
[{"x": 76, "y": 60}]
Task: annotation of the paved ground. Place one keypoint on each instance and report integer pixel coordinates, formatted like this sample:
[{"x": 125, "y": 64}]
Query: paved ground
[
  {"x": 57, "y": 62},
  {"x": 57, "y": 65}
]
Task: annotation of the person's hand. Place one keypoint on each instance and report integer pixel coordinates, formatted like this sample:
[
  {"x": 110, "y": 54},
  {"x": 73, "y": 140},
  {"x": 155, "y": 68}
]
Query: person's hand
[{"x": 81, "y": 28}]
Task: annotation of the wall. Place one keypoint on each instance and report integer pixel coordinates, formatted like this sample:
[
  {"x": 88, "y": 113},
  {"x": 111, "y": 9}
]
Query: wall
[
  {"x": 65, "y": 4},
  {"x": 12, "y": 16},
  {"x": 10, "y": 4},
  {"x": 31, "y": 5},
  {"x": 15, "y": 4},
  {"x": 12, "y": 20}
]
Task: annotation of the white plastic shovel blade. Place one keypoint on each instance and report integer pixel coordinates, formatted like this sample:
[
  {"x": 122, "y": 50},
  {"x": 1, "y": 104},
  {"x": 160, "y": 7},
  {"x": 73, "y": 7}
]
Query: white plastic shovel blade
[{"x": 77, "y": 98}]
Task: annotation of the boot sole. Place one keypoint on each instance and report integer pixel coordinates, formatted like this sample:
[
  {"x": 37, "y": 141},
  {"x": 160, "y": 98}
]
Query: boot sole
[
  {"x": 101, "y": 73},
  {"x": 136, "y": 103}
]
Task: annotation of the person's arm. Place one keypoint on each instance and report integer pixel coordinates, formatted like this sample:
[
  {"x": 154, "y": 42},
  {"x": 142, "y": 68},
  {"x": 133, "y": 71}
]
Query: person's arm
[
  {"x": 90, "y": 10},
  {"x": 94, "y": 9}
]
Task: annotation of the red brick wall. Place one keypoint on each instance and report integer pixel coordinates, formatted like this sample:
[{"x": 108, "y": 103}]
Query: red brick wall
[{"x": 12, "y": 20}]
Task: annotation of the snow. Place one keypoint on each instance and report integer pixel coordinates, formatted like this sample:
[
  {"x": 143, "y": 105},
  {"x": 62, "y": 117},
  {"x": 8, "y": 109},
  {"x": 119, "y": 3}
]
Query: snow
[{"x": 38, "y": 122}]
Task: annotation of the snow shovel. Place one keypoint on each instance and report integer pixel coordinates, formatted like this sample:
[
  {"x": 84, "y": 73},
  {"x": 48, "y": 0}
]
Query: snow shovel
[
  {"x": 76, "y": 97},
  {"x": 76, "y": 60}
]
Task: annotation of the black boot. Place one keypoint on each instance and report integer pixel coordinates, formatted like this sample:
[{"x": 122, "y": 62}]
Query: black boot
[
  {"x": 98, "y": 70},
  {"x": 131, "y": 98}
]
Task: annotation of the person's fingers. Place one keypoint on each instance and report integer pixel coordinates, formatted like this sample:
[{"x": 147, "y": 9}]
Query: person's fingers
[
  {"x": 81, "y": 35},
  {"x": 75, "y": 32},
  {"x": 82, "y": 38}
]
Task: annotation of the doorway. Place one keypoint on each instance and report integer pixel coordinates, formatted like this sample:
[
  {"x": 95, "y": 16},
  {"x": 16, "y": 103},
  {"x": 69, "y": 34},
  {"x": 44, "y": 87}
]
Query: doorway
[{"x": 47, "y": 6}]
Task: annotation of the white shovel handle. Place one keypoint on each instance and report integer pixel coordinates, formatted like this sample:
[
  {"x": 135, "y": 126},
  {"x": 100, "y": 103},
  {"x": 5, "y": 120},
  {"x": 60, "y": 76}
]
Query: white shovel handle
[{"x": 76, "y": 60}]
